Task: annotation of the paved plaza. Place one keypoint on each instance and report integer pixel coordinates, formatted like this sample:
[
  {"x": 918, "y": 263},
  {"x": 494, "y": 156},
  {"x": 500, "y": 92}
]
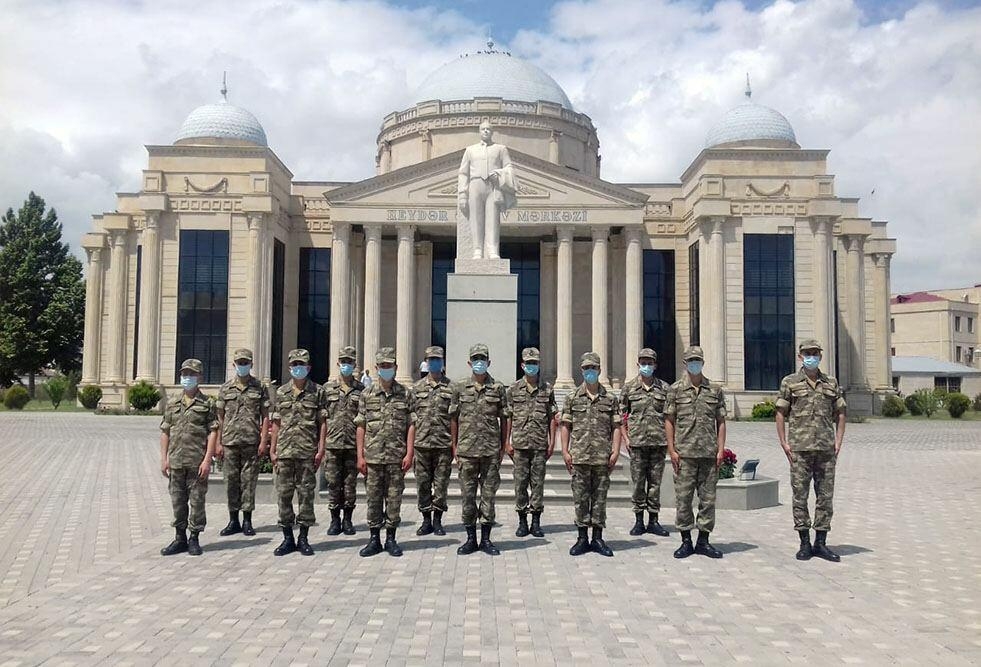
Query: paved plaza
[{"x": 85, "y": 510}]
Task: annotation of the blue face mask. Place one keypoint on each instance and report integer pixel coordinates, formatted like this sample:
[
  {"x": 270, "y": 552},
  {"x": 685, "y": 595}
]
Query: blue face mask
[
  {"x": 811, "y": 362},
  {"x": 531, "y": 369},
  {"x": 695, "y": 367},
  {"x": 243, "y": 370},
  {"x": 646, "y": 370},
  {"x": 435, "y": 365},
  {"x": 591, "y": 376},
  {"x": 189, "y": 381},
  {"x": 299, "y": 372},
  {"x": 386, "y": 373},
  {"x": 347, "y": 370},
  {"x": 479, "y": 367}
]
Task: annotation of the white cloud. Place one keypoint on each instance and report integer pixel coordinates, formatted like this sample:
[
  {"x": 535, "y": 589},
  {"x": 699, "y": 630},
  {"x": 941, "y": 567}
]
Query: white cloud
[{"x": 83, "y": 85}]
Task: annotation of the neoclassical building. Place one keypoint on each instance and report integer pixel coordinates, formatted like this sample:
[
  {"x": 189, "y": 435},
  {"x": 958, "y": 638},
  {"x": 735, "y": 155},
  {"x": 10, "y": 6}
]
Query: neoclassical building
[{"x": 748, "y": 253}]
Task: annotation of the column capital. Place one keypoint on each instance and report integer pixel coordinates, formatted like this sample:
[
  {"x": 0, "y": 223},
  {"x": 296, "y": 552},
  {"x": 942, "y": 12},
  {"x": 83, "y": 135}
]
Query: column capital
[
  {"x": 152, "y": 219},
  {"x": 564, "y": 233},
  {"x": 633, "y": 234},
  {"x": 372, "y": 231},
  {"x": 117, "y": 238},
  {"x": 341, "y": 231},
  {"x": 882, "y": 259},
  {"x": 821, "y": 224},
  {"x": 407, "y": 233},
  {"x": 600, "y": 233},
  {"x": 257, "y": 221},
  {"x": 853, "y": 242},
  {"x": 94, "y": 255}
]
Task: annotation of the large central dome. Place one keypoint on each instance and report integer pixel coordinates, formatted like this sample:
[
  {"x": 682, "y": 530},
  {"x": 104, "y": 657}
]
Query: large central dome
[{"x": 491, "y": 74}]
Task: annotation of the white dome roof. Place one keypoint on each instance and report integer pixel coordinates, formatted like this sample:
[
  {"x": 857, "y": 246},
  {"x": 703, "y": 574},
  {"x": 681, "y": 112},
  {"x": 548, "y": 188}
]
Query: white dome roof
[
  {"x": 751, "y": 122},
  {"x": 491, "y": 74},
  {"x": 222, "y": 121}
]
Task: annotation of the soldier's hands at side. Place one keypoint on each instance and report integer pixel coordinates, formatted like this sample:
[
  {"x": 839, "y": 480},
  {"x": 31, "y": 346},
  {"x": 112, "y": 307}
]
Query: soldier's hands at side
[
  {"x": 719, "y": 457},
  {"x": 613, "y": 461},
  {"x": 273, "y": 458},
  {"x": 263, "y": 448},
  {"x": 406, "y": 463},
  {"x": 567, "y": 457},
  {"x": 219, "y": 451},
  {"x": 205, "y": 468},
  {"x": 165, "y": 468},
  {"x": 363, "y": 467},
  {"x": 509, "y": 450},
  {"x": 789, "y": 454},
  {"x": 318, "y": 459},
  {"x": 549, "y": 452},
  {"x": 675, "y": 461}
]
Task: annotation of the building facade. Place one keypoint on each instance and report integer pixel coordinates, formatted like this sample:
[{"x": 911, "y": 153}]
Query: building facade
[
  {"x": 941, "y": 325},
  {"x": 748, "y": 253}
]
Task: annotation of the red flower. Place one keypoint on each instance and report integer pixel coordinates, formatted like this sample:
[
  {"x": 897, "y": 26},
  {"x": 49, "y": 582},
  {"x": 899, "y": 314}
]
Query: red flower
[{"x": 729, "y": 456}]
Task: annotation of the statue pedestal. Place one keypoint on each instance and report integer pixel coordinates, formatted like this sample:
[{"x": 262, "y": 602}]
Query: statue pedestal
[{"x": 482, "y": 308}]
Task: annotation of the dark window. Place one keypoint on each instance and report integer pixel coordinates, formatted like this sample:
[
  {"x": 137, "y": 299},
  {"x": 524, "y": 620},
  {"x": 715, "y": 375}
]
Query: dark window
[
  {"x": 136, "y": 307},
  {"x": 957, "y": 353},
  {"x": 694, "y": 334},
  {"x": 970, "y": 325},
  {"x": 659, "y": 325},
  {"x": 443, "y": 258},
  {"x": 895, "y": 382},
  {"x": 957, "y": 323},
  {"x": 276, "y": 342},
  {"x": 768, "y": 308},
  {"x": 834, "y": 287},
  {"x": 313, "y": 320},
  {"x": 892, "y": 351},
  {"x": 954, "y": 384},
  {"x": 892, "y": 325},
  {"x": 526, "y": 264},
  {"x": 202, "y": 302}
]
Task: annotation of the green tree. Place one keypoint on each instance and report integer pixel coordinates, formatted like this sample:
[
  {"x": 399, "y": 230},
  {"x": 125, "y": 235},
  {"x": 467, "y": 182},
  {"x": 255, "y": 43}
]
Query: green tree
[{"x": 42, "y": 294}]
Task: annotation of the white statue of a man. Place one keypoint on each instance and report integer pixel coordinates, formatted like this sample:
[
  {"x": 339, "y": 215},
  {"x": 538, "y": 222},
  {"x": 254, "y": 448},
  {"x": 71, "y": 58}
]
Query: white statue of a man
[{"x": 485, "y": 189}]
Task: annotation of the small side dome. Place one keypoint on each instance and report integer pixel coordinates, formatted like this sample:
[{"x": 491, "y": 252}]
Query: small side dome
[
  {"x": 752, "y": 124},
  {"x": 221, "y": 123}
]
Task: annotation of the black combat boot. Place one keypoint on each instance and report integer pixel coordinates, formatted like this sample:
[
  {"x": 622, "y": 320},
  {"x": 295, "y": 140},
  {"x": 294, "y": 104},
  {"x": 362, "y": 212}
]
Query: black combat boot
[
  {"x": 582, "y": 543},
  {"x": 374, "y": 545},
  {"x": 536, "y": 525},
  {"x": 470, "y": 545},
  {"x": 247, "y": 528},
  {"x": 638, "y": 528},
  {"x": 438, "y": 523},
  {"x": 654, "y": 526},
  {"x": 599, "y": 545},
  {"x": 233, "y": 525},
  {"x": 391, "y": 546},
  {"x": 522, "y": 530},
  {"x": 821, "y": 549},
  {"x": 686, "y": 549},
  {"x": 485, "y": 541},
  {"x": 288, "y": 545},
  {"x": 347, "y": 526},
  {"x": 426, "y": 527},
  {"x": 303, "y": 542},
  {"x": 193, "y": 546},
  {"x": 178, "y": 546},
  {"x": 703, "y": 548},
  {"x": 335, "y": 522},
  {"x": 805, "y": 552}
]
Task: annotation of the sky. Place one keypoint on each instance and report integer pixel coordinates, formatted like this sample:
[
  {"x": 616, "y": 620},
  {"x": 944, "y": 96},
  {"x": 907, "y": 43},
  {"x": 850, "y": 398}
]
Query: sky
[{"x": 892, "y": 89}]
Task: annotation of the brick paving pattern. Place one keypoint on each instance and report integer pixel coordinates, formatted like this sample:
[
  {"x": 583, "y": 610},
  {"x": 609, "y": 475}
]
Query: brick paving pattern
[{"x": 84, "y": 511}]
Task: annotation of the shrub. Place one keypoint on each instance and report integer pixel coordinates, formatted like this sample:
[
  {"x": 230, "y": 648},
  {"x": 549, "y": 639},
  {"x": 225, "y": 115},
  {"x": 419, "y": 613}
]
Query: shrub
[
  {"x": 56, "y": 388},
  {"x": 728, "y": 468},
  {"x": 764, "y": 410},
  {"x": 912, "y": 403},
  {"x": 941, "y": 394},
  {"x": 90, "y": 396},
  {"x": 928, "y": 401},
  {"x": 893, "y": 407},
  {"x": 73, "y": 377},
  {"x": 143, "y": 396},
  {"x": 957, "y": 404},
  {"x": 16, "y": 398},
  {"x": 977, "y": 403}
]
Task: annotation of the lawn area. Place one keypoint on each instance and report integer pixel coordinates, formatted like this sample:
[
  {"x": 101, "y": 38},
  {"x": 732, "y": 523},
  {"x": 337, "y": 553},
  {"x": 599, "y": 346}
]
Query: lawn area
[{"x": 41, "y": 405}]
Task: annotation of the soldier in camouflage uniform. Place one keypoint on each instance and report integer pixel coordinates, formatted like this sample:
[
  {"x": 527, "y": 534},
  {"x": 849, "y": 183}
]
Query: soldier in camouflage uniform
[
  {"x": 531, "y": 428},
  {"x": 642, "y": 402},
  {"x": 814, "y": 404},
  {"x": 386, "y": 429},
  {"x": 695, "y": 424},
  {"x": 433, "y": 455},
  {"x": 298, "y": 433},
  {"x": 341, "y": 457},
  {"x": 243, "y": 410},
  {"x": 590, "y": 447},
  {"x": 480, "y": 410},
  {"x": 188, "y": 437}
]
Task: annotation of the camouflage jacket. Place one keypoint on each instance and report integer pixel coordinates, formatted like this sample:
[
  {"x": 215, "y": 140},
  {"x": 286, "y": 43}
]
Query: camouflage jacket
[
  {"x": 591, "y": 421},
  {"x": 479, "y": 410},
  {"x": 189, "y": 425},
  {"x": 386, "y": 418},
  {"x": 299, "y": 415},
  {"x": 696, "y": 411},
  {"x": 813, "y": 411},
  {"x": 532, "y": 408},
  {"x": 242, "y": 408},
  {"x": 432, "y": 402},
  {"x": 340, "y": 409},
  {"x": 644, "y": 410}
]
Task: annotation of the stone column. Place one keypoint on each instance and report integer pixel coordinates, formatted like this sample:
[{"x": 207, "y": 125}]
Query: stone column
[
  {"x": 563, "y": 308},
  {"x": 553, "y": 146},
  {"x": 93, "y": 317},
  {"x": 340, "y": 273},
  {"x": 548, "y": 310},
  {"x": 372, "y": 292},
  {"x": 119, "y": 289},
  {"x": 634, "y": 300},
  {"x": 263, "y": 354},
  {"x": 148, "y": 350},
  {"x": 823, "y": 291},
  {"x": 856, "y": 311},
  {"x": 715, "y": 289},
  {"x": 883, "y": 345},
  {"x": 600, "y": 311},
  {"x": 253, "y": 309},
  {"x": 386, "y": 157},
  {"x": 404, "y": 294}
]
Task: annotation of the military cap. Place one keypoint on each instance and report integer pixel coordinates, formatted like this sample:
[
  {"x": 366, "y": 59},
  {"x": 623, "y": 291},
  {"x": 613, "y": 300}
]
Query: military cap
[
  {"x": 589, "y": 359},
  {"x": 299, "y": 354},
  {"x": 385, "y": 355},
  {"x": 242, "y": 353},
  {"x": 434, "y": 351},
  {"x": 647, "y": 353},
  {"x": 810, "y": 344},
  {"x": 479, "y": 348},
  {"x": 531, "y": 354},
  {"x": 347, "y": 352},
  {"x": 192, "y": 365},
  {"x": 693, "y": 352}
]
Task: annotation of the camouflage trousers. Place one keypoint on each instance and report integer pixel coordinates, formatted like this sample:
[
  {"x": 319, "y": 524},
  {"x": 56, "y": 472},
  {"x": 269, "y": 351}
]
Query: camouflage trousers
[
  {"x": 432, "y": 467},
  {"x": 819, "y": 466},
  {"x": 529, "y": 471},
  {"x": 696, "y": 475},
  {"x": 187, "y": 490},
  {"x": 646, "y": 473},
  {"x": 341, "y": 475},
  {"x": 240, "y": 467},
  {"x": 590, "y": 484},
  {"x": 297, "y": 476},
  {"x": 485, "y": 472},
  {"x": 385, "y": 484}
]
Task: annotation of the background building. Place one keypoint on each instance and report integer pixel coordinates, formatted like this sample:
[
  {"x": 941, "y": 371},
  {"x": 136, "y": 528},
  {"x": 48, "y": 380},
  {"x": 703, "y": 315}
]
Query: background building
[{"x": 750, "y": 252}]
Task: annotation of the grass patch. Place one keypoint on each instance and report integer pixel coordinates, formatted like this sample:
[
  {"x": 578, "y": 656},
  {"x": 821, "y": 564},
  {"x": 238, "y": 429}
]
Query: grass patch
[{"x": 41, "y": 405}]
